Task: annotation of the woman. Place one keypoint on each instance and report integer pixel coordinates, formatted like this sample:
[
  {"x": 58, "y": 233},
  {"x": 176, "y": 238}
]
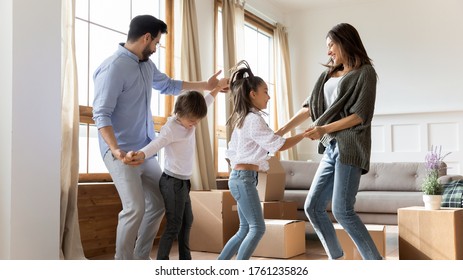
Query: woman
[{"x": 341, "y": 107}]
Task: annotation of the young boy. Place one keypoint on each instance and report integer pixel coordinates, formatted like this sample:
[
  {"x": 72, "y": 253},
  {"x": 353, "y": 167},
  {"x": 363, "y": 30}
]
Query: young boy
[{"x": 177, "y": 137}]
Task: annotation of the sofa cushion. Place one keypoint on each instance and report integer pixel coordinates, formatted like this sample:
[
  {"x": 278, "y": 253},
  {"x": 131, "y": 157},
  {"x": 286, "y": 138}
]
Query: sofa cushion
[
  {"x": 398, "y": 176},
  {"x": 368, "y": 201},
  {"x": 296, "y": 195},
  {"x": 386, "y": 202},
  {"x": 449, "y": 178},
  {"x": 299, "y": 174},
  {"x": 390, "y": 176}
]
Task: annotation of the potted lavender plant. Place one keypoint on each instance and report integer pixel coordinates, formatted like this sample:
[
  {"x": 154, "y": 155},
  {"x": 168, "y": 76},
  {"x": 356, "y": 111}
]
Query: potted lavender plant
[{"x": 432, "y": 189}]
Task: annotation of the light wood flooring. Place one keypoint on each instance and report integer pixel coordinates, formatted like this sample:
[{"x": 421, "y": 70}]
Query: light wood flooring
[{"x": 314, "y": 250}]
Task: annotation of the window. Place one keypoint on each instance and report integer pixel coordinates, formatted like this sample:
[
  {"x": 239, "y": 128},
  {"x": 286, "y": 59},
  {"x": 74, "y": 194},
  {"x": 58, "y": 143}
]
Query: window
[
  {"x": 258, "y": 52},
  {"x": 99, "y": 26}
]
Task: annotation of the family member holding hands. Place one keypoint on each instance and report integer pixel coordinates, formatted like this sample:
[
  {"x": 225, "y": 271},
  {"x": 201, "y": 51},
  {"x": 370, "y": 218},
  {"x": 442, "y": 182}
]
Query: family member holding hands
[
  {"x": 122, "y": 114},
  {"x": 247, "y": 152},
  {"x": 341, "y": 107}
]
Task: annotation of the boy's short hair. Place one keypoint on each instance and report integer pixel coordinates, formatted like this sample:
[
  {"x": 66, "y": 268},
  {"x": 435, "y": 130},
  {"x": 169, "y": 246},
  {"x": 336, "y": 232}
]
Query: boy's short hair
[
  {"x": 191, "y": 104},
  {"x": 140, "y": 25}
]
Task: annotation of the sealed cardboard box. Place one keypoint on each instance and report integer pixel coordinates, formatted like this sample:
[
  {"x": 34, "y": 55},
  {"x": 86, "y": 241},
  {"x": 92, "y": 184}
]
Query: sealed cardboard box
[
  {"x": 285, "y": 210},
  {"x": 430, "y": 234},
  {"x": 282, "y": 239},
  {"x": 215, "y": 220},
  {"x": 377, "y": 233},
  {"x": 271, "y": 184}
]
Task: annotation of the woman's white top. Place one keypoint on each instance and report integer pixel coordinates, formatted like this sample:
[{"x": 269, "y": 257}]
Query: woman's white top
[
  {"x": 331, "y": 90},
  {"x": 252, "y": 143}
]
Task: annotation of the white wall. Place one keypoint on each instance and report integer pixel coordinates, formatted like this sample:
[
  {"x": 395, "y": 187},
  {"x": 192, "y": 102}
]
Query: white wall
[
  {"x": 265, "y": 10},
  {"x": 407, "y": 137},
  {"x": 416, "y": 49},
  {"x": 415, "y": 45},
  {"x": 30, "y": 129}
]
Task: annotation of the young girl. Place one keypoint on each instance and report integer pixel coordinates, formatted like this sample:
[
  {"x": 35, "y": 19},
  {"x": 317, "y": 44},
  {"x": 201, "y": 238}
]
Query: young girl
[{"x": 250, "y": 143}]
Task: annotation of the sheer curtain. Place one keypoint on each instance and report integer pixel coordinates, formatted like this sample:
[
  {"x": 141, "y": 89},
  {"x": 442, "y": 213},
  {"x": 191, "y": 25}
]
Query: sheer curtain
[
  {"x": 203, "y": 177},
  {"x": 283, "y": 84},
  {"x": 233, "y": 33},
  {"x": 71, "y": 245}
]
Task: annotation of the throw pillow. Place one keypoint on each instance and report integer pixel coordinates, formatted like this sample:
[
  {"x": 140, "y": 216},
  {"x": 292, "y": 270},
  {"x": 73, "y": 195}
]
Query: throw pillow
[{"x": 453, "y": 194}]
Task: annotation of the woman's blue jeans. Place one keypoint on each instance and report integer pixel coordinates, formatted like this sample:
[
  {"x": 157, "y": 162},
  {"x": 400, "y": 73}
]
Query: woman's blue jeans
[
  {"x": 337, "y": 183},
  {"x": 243, "y": 187}
]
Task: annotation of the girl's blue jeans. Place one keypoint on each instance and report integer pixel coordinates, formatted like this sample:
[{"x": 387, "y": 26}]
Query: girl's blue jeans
[{"x": 243, "y": 187}]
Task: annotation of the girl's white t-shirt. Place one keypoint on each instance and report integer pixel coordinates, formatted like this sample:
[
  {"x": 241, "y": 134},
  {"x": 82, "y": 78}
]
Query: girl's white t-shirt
[{"x": 252, "y": 143}]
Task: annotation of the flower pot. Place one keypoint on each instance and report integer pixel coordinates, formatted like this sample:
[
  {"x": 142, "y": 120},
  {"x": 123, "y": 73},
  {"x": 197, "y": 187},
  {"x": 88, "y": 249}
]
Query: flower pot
[{"x": 432, "y": 202}]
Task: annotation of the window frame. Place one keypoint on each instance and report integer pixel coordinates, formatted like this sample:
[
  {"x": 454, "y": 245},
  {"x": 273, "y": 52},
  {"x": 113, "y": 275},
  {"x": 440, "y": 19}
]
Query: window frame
[{"x": 220, "y": 130}]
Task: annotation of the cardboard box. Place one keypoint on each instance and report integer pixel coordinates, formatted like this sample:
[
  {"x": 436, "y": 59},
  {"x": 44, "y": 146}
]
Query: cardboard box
[
  {"x": 430, "y": 234},
  {"x": 271, "y": 184},
  {"x": 377, "y": 233},
  {"x": 282, "y": 239},
  {"x": 215, "y": 220},
  {"x": 285, "y": 210}
]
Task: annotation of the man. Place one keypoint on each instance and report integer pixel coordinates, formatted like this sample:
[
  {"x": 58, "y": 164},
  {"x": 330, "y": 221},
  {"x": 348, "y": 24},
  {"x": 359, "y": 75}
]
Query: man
[{"x": 122, "y": 114}]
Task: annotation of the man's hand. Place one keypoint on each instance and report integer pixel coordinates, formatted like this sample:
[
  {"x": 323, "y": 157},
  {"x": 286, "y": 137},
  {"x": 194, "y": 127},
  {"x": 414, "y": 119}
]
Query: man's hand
[
  {"x": 134, "y": 158},
  {"x": 118, "y": 153}
]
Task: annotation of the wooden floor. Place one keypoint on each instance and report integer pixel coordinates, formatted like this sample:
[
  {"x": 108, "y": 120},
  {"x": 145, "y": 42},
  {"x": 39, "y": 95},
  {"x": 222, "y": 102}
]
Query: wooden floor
[{"x": 314, "y": 250}]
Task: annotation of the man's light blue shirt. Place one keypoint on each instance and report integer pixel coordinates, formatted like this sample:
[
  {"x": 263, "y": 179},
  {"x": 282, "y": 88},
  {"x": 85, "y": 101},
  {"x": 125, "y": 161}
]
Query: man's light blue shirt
[{"x": 123, "y": 88}]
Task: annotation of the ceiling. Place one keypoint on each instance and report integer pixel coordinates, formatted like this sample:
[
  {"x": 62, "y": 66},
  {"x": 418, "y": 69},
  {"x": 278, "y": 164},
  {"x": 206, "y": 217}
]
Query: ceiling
[{"x": 294, "y": 5}]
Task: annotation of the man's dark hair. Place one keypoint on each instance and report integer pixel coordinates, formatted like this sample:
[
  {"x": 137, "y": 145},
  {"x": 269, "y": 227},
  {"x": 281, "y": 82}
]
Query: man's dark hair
[{"x": 142, "y": 24}]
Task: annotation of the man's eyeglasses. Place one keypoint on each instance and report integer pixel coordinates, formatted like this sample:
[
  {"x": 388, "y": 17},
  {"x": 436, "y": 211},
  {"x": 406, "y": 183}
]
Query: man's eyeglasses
[{"x": 157, "y": 44}]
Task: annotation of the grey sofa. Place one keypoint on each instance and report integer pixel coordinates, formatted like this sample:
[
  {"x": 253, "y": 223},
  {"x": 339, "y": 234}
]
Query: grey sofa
[{"x": 384, "y": 189}]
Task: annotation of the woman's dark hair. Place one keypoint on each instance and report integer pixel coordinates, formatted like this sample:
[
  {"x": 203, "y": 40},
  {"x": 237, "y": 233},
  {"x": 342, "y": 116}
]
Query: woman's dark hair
[
  {"x": 142, "y": 24},
  {"x": 191, "y": 104},
  {"x": 348, "y": 40},
  {"x": 242, "y": 82}
]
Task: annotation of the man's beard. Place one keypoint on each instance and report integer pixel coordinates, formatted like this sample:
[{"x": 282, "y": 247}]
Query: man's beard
[{"x": 146, "y": 53}]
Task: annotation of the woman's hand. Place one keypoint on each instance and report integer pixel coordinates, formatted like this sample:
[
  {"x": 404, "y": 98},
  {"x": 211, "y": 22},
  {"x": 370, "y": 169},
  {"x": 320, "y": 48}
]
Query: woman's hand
[{"x": 315, "y": 132}]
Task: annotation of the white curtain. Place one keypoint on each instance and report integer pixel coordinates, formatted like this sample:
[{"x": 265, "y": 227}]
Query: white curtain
[
  {"x": 203, "y": 177},
  {"x": 71, "y": 245},
  {"x": 233, "y": 33},
  {"x": 283, "y": 84}
]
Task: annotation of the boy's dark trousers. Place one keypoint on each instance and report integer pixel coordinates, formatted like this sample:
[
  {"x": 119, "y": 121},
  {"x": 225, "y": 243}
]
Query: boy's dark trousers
[{"x": 179, "y": 216}]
